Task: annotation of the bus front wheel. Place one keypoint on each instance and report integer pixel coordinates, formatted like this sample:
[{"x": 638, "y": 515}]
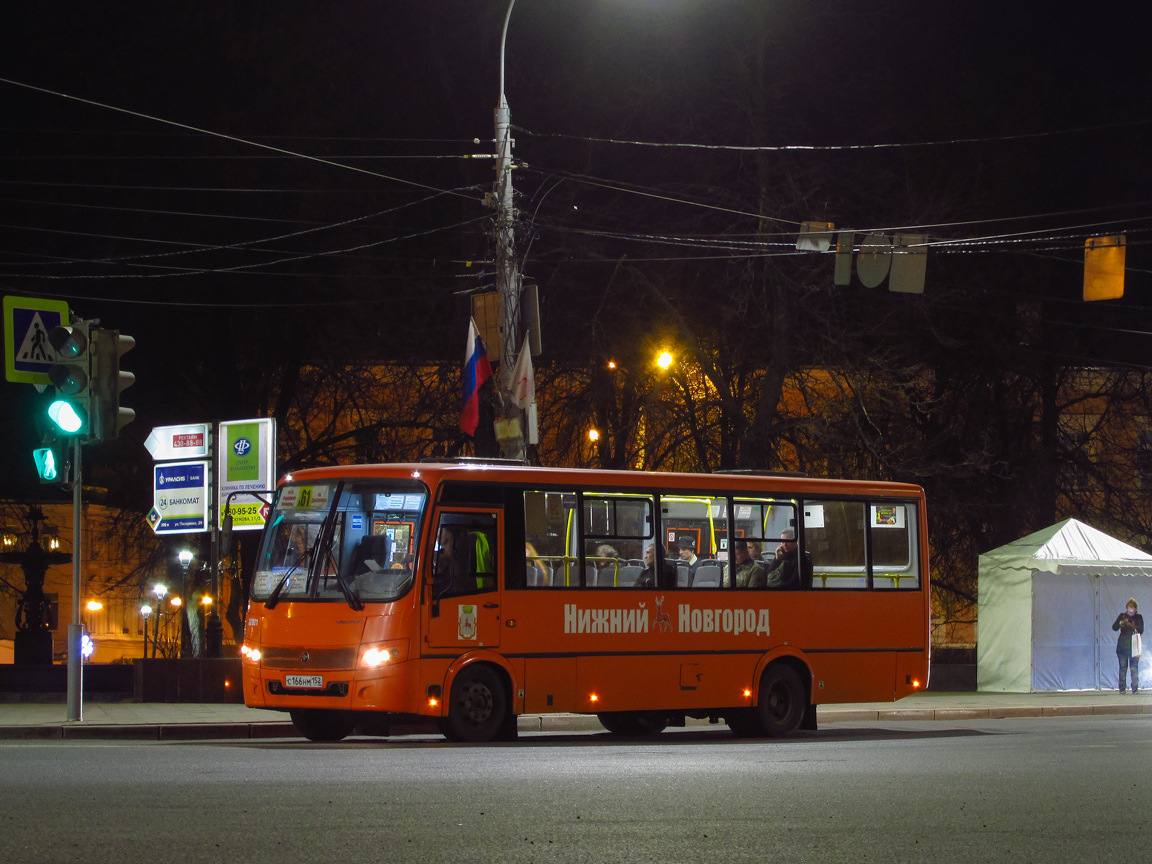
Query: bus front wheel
[
  {"x": 477, "y": 706},
  {"x": 782, "y": 701},
  {"x": 632, "y": 723},
  {"x": 319, "y": 725}
]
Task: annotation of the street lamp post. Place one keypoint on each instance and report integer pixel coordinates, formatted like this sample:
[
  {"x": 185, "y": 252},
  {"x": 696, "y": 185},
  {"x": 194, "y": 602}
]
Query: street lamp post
[
  {"x": 159, "y": 591},
  {"x": 145, "y": 610}
]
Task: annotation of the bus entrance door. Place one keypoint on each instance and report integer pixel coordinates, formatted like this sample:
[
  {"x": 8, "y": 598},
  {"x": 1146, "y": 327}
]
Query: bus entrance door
[{"x": 462, "y": 597}]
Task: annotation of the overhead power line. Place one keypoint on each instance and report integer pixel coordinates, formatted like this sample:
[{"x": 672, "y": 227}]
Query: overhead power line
[
  {"x": 226, "y": 137},
  {"x": 752, "y": 148}
]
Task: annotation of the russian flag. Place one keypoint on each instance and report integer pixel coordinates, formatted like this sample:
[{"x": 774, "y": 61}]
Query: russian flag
[{"x": 477, "y": 370}]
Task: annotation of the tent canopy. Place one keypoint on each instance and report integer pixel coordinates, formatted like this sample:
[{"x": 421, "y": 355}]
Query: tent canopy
[
  {"x": 1071, "y": 548},
  {"x": 1046, "y": 606}
]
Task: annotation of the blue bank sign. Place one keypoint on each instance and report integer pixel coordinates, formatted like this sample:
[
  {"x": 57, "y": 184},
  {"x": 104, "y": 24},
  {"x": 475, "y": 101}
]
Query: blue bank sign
[{"x": 180, "y": 498}]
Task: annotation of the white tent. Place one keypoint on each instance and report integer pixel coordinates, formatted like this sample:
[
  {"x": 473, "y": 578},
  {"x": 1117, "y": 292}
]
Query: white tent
[{"x": 1046, "y": 607}]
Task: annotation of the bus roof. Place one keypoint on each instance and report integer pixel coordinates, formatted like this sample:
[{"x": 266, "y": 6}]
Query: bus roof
[{"x": 435, "y": 472}]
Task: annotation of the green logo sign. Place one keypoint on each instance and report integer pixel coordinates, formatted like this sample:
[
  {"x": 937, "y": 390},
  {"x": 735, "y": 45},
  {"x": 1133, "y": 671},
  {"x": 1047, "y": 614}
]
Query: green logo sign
[{"x": 243, "y": 452}]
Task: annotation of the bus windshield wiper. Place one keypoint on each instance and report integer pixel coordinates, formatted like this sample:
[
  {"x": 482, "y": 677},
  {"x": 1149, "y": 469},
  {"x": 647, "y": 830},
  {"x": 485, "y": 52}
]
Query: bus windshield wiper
[
  {"x": 350, "y": 595},
  {"x": 274, "y": 597}
]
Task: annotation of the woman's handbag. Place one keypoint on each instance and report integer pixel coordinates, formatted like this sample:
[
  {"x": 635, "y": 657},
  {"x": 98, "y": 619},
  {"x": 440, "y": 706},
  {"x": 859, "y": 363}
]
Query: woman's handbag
[{"x": 1137, "y": 645}]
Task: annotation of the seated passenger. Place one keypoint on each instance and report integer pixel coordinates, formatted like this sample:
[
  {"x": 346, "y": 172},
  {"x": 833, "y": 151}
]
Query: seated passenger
[
  {"x": 687, "y": 547},
  {"x": 607, "y": 560},
  {"x": 650, "y": 576},
  {"x": 749, "y": 573},
  {"x": 786, "y": 572}
]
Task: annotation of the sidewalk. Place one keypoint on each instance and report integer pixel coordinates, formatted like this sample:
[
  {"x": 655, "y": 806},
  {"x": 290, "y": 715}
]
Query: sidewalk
[{"x": 158, "y": 721}]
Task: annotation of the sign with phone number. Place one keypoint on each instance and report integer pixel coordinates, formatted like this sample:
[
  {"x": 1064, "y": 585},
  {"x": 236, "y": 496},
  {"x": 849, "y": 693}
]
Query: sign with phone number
[{"x": 246, "y": 515}]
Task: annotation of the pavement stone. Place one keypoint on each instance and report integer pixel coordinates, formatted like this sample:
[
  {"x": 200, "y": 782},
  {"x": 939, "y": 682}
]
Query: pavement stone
[{"x": 158, "y": 721}]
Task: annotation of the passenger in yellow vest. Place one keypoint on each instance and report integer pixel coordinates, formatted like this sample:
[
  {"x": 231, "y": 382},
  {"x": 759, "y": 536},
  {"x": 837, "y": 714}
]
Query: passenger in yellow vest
[{"x": 485, "y": 566}]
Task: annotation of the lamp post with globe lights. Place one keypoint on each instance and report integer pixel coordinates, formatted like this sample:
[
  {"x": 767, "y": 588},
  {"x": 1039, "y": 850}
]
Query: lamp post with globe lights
[
  {"x": 159, "y": 591},
  {"x": 145, "y": 611}
]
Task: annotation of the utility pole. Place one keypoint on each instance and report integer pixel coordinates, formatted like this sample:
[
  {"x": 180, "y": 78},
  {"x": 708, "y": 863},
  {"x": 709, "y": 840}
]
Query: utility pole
[{"x": 508, "y": 275}]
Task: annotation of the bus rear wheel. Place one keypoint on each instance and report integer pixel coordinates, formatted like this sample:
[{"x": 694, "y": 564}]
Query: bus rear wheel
[
  {"x": 477, "y": 706},
  {"x": 633, "y": 723},
  {"x": 320, "y": 725},
  {"x": 782, "y": 702}
]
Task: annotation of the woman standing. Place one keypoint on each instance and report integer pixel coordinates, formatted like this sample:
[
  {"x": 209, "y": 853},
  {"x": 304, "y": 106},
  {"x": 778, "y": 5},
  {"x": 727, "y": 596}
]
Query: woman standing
[{"x": 1128, "y": 622}]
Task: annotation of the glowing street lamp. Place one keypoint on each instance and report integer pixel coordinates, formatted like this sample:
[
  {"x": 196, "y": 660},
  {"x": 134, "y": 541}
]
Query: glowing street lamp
[
  {"x": 145, "y": 610},
  {"x": 664, "y": 360},
  {"x": 593, "y": 434},
  {"x": 159, "y": 591}
]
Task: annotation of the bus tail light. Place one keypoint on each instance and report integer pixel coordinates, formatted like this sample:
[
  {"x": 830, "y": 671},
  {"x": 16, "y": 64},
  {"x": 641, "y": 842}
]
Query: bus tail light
[{"x": 383, "y": 653}]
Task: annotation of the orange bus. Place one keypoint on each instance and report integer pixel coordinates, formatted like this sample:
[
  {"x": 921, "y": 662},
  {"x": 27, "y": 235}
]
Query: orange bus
[{"x": 464, "y": 594}]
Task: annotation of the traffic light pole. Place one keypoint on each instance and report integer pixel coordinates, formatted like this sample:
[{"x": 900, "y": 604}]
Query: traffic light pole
[{"x": 76, "y": 628}]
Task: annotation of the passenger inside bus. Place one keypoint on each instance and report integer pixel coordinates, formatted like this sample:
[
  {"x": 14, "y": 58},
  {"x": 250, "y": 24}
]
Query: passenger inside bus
[
  {"x": 465, "y": 560},
  {"x": 687, "y": 546},
  {"x": 605, "y": 566},
  {"x": 648, "y": 578},
  {"x": 748, "y": 572},
  {"x": 789, "y": 574}
]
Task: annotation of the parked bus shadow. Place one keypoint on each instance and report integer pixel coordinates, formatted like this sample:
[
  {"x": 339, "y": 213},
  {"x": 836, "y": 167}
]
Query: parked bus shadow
[{"x": 714, "y": 737}]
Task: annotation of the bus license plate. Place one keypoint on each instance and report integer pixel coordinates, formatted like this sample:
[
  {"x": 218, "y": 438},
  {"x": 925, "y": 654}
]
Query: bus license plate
[{"x": 312, "y": 682}]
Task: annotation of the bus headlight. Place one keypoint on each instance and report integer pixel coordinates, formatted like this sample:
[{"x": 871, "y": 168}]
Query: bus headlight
[
  {"x": 383, "y": 653},
  {"x": 250, "y": 654}
]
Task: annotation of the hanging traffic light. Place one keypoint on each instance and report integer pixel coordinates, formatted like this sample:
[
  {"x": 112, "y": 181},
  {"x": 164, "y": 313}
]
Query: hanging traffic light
[
  {"x": 70, "y": 375},
  {"x": 108, "y": 382}
]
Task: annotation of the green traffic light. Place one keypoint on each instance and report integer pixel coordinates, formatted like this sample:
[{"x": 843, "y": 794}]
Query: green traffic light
[
  {"x": 64, "y": 414},
  {"x": 45, "y": 463}
]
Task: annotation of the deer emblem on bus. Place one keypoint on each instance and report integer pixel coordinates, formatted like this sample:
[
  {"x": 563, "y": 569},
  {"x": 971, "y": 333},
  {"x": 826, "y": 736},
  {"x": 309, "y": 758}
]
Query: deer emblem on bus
[{"x": 663, "y": 621}]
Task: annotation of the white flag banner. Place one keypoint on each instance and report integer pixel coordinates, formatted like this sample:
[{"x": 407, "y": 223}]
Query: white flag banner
[{"x": 523, "y": 384}]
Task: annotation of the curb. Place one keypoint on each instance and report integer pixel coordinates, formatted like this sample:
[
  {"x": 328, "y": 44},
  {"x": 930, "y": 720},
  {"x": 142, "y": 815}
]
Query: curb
[
  {"x": 148, "y": 732},
  {"x": 552, "y": 723}
]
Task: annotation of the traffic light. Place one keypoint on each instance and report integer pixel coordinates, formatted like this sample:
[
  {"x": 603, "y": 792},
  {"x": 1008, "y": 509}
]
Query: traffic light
[
  {"x": 70, "y": 375},
  {"x": 108, "y": 418},
  {"x": 52, "y": 463},
  {"x": 53, "y": 456}
]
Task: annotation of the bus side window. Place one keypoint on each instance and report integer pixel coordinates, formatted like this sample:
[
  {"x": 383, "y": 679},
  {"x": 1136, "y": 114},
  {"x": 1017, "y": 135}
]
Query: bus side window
[
  {"x": 549, "y": 540},
  {"x": 466, "y": 554},
  {"x": 834, "y": 534}
]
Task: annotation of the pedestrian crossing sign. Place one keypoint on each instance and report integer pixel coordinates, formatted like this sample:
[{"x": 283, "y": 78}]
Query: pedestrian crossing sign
[{"x": 27, "y": 322}]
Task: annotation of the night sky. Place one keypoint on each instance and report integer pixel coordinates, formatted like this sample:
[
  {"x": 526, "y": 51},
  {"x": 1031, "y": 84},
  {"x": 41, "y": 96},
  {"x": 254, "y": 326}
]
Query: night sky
[{"x": 212, "y": 249}]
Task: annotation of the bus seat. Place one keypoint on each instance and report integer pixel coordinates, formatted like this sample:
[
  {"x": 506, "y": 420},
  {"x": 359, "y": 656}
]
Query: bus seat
[
  {"x": 683, "y": 574},
  {"x": 708, "y": 575},
  {"x": 629, "y": 573},
  {"x": 372, "y": 548},
  {"x": 806, "y": 571}
]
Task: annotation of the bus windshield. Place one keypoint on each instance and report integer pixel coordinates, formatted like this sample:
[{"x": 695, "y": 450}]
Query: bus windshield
[{"x": 340, "y": 541}]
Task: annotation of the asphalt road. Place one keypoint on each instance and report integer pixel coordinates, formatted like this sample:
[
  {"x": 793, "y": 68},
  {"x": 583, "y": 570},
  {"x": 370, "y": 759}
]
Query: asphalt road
[{"x": 1020, "y": 790}]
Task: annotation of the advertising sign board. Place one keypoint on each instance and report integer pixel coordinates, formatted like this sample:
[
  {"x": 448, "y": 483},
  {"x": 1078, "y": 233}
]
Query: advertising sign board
[
  {"x": 180, "y": 498},
  {"x": 246, "y": 460}
]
